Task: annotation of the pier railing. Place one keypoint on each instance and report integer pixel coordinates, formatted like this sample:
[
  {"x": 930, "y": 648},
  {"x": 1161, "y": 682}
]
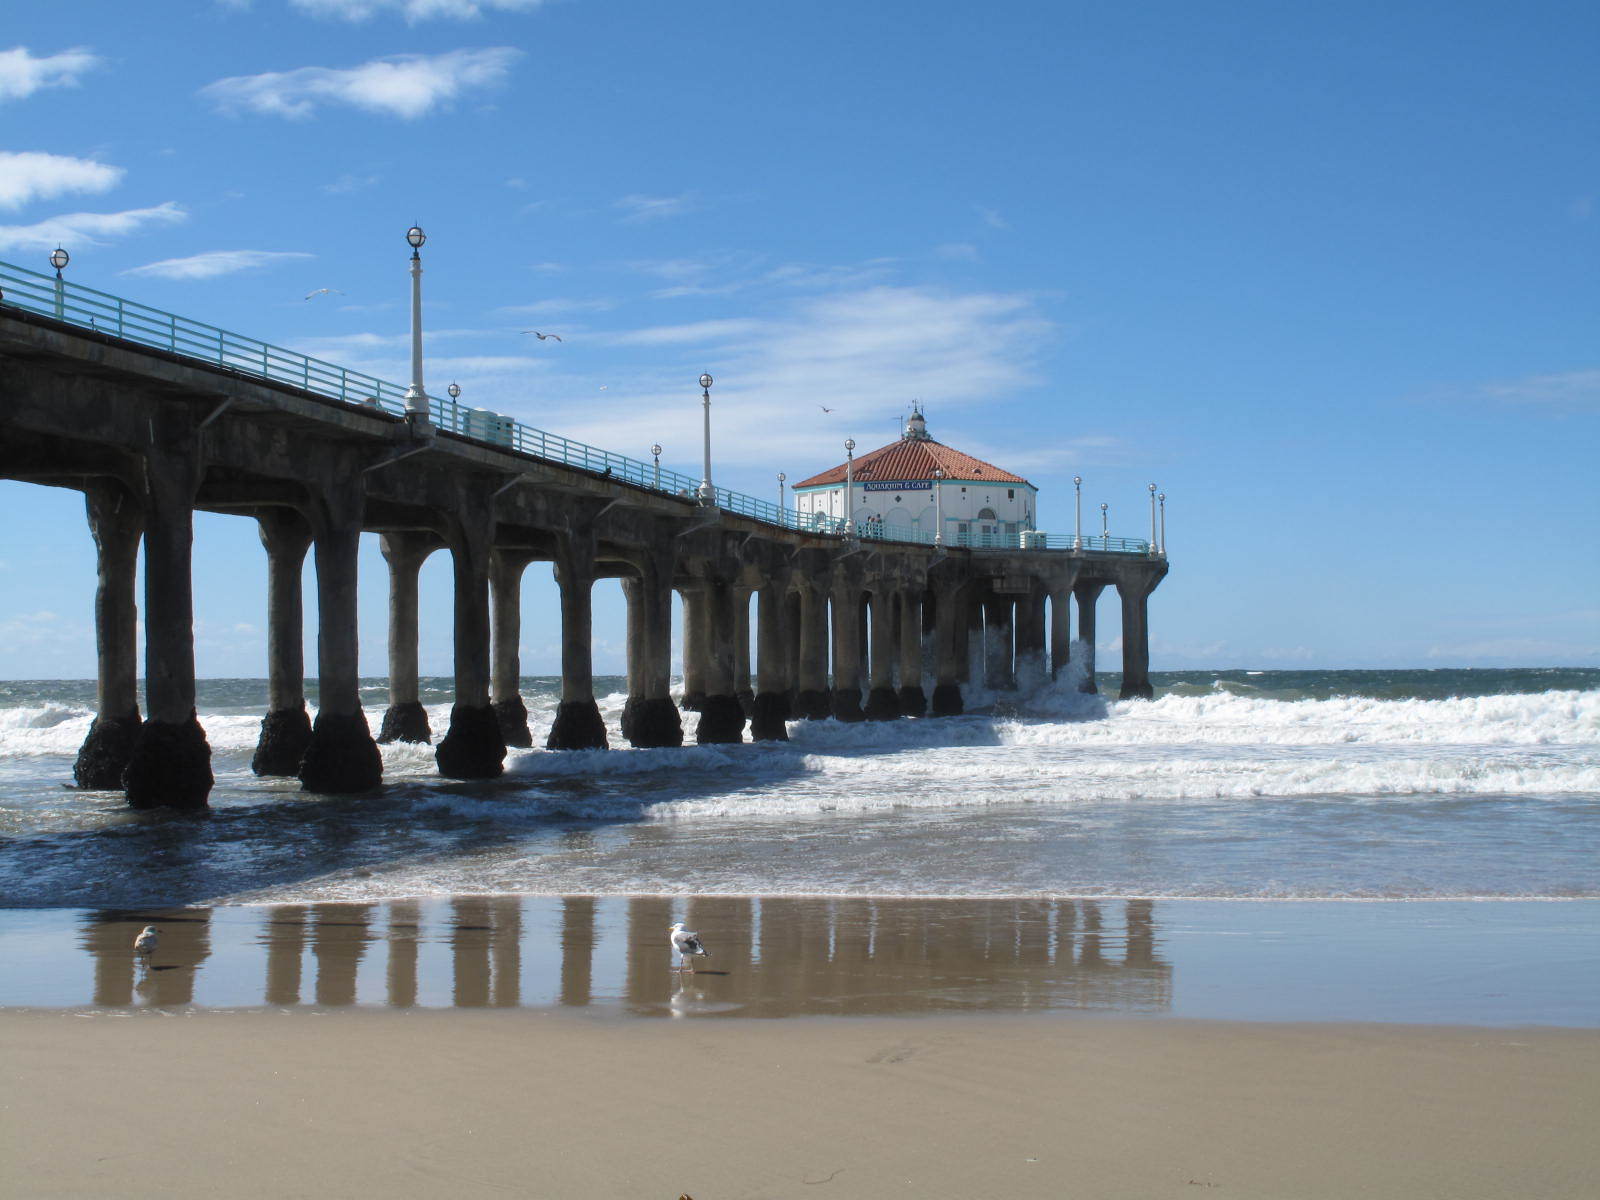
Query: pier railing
[{"x": 129, "y": 320}]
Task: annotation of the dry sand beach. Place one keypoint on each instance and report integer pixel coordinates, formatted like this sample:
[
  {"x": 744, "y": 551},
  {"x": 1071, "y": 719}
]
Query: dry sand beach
[{"x": 482, "y": 1103}]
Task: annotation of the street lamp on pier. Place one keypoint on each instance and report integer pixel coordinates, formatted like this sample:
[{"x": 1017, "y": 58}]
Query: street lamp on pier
[
  {"x": 416, "y": 394},
  {"x": 938, "y": 506},
  {"x": 655, "y": 453},
  {"x": 849, "y": 487},
  {"x": 708, "y": 495},
  {"x": 454, "y": 391},
  {"x": 1077, "y": 504},
  {"x": 1153, "y": 542},
  {"x": 781, "y": 478},
  {"x": 59, "y": 258},
  {"x": 1163, "y": 499},
  {"x": 1105, "y": 529}
]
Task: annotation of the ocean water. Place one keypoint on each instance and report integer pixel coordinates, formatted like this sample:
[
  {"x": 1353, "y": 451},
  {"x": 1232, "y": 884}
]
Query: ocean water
[{"x": 1282, "y": 785}]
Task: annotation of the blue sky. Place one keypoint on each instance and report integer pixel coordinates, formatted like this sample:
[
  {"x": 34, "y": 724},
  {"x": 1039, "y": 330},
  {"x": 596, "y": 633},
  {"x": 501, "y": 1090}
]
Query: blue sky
[{"x": 1326, "y": 275}]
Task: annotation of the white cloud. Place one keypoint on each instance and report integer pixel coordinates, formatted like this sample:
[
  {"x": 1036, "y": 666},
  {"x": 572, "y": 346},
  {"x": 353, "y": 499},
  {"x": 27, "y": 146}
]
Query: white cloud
[
  {"x": 87, "y": 229},
  {"x": 992, "y": 219},
  {"x": 404, "y": 85},
  {"x": 558, "y": 306},
  {"x": 699, "y": 333},
  {"x": 21, "y": 74},
  {"x": 654, "y": 208},
  {"x": 1566, "y": 390},
  {"x": 412, "y": 10},
  {"x": 349, "y": 182},
  {"x": 31, "y": 175},
  {"x": 1521, "y": 651},
  {"x": 214, "y": 263}
]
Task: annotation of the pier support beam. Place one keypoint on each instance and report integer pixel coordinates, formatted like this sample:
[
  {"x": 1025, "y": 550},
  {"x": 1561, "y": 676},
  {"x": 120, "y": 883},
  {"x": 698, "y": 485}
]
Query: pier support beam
[
  {"x": 505, "y": 598},
  {"x": 116, "y": 520},
  {"x": 341, "y": 757},
  {"x": 847, "y": 654},
  {"x": 1060, "y": 630},
  {"x": 650, "y": 719},
  {"x": 1136, "y": 638},
  {"x": 882, "y": 702},
  {"x": 721, "y": 717},
  {"x": 171, "y": 766},
  {"x": 694, "y": 648},
  {"x": 741, "y": 651},
  {"x": 812, "y": 702},
  {"x": 578, "y": 724},
  {"x": 286, "y": 729},
  {"x": 1031, "y": 665},
  {"x": 406, "y": 720},
  {"x": 950, "y": 620},
  {"x": 999, "y": 674},
  {"x": 474, "y": 748},
  {"x": 913, "y": 702},
  {"x": 1087, "y": 593},
  {"x": 770, "y": 711}
]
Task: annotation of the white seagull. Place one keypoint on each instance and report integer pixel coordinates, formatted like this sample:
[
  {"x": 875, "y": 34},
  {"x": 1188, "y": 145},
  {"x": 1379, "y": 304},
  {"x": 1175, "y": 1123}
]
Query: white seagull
[
  {"x": 543, "y": 337},
  {"x": 324, "y": 292},
  {"x": 687, "y": 945},
  {"x": 145, "y": 944}
]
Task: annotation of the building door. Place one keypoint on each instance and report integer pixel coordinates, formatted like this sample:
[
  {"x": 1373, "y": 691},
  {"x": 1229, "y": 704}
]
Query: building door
[{"x": 988, "y": 530}]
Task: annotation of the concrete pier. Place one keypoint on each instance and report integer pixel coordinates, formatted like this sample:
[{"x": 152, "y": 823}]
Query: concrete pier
[
  {"x": 1031, "y": 667},
  {"x": 474, "y": 748},
  {"x": 286, "y": 729},
  {"x": 1135, "y": 595},
  {"x": 694, "y": 648},
  {"x": 405, "y": 552},
  {"x": 116, "y": 520},
  {"x": 1087, "y": 592},
  {"x": 721, "y": 714},
  {"x": 813, "y": 702},
  {"x": 846, "y": 698},
  {"x": 770, "y": 710},
  {"x": 950, "y": 652},
  {"x": 999, "y": 670},
  {"x": 649, "y": 718},
  {"x": 883, "y": 704},
  {"x": 505, "y": 690},
  {"x": 577, "y": 725},
  {"x": 1060, "y": 630},
  {"x": 913, "y": 701}
]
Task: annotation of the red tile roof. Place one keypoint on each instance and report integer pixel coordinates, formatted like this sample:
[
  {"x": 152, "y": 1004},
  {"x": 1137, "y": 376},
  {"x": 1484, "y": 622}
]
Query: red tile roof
[{"x": 915, "y": 458}]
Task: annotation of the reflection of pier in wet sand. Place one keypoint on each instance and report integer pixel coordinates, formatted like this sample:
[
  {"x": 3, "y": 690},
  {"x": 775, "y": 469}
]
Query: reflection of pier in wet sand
[{"x": 772, "y": 956}]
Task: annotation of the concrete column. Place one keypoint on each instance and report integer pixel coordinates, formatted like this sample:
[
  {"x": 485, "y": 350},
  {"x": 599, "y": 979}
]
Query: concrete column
[
  {"x": 791, "y": 647},
  {"x": 578, "y": 724},
  {"x": 341, "y": 756},
  {"x": 286, "y": 729},
  {"x": 950, "y": 623},
  {"x": 116, "y": 521},
  {"x": 913, "y": 702},
  {"x": 1060, "y": 630},
  {"x": 770, "y": 712},
  {"x": 474, "y": 748},
  {"x": 846, "y": 606},
  {"x": 969, "y": 634},
  {"x": 721, "y": 717},
  {"x": 694, "y": 648},
  {"x": 1135, "y": 640},
  {"x": 812, "y": 702},
  {"x": 650, "y": 719},
  {"x": 505, "y": 688},
  {"x": 406, "y": 720},
  {"x": 741, "y": 651},
  {"x": 1087, "y": 592},
  {"x": 171, "y": 765},
  {"x": 999, "y": 674},
  {"x": 1031, "y": 665},
  {"x": 882, "y": 702}
]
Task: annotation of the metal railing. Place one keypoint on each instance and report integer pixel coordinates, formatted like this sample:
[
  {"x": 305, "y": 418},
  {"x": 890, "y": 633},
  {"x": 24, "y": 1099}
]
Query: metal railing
[{"x": 131, "y": 321}]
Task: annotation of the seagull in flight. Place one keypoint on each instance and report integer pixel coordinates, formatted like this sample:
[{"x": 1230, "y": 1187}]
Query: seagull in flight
[
  {"x": 824, "y": 408},
  {"x": 686, "y": 945},
  {"x": 324, "y": 292},
  {"x": 543, "y": 337},
  {"x": 145, "y": 944}
]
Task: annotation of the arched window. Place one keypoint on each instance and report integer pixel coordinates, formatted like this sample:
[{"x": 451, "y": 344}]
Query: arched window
[{"x": 987, "y": 514}]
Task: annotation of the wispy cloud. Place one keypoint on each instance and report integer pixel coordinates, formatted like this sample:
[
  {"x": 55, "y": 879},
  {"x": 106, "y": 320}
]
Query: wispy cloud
[
  {"x": 558, "y": 306},
  {"x": 957, "y": 251},
  {"x": 699, "y": 333},
  {"x": 21, "y": 74},
  {"x": 637, "y": 208},
  {"x": 407, "y": 86},
  {"x": 992, "y": 219},
  {"x": 412, "y": 10},
  {"x": 87, "y": 229},
  {"x": 214, "y": 263},
  {"x": 349, "y": 182},
  {"x": 1573, "y": 391},
  {"x": 31, "y": 175}
]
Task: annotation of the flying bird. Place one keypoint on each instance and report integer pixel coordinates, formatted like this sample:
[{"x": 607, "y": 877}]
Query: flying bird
[
  {"x": 145, "y": 944},
  {"x": 824, "y": 408},
  {"x": 686, "y": 944},
  {"x": 324, "y": 292},
  {"x": 543, "y": 337}
]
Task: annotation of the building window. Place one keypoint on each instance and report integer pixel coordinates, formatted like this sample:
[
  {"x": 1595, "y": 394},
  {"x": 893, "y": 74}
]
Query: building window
[{"x": 1011, "y": 493}]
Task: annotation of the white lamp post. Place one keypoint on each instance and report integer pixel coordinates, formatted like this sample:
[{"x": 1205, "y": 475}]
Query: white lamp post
[
  {"x": 59, "y": 258},
  {"x": 849, "y": 487},
  {"x": 655, "y": 453},
  {"x": 1077, "y": 503},
  {"x": 1153, "y": 542},
  {"x": 938, "y": 506},
  {"x": 781, "y": 478},
  {"x": 1105, "y": 529},
  {"x": 708, "y": 495},
  {"x": 1163, "y": 499},
  {"x": 416, "y": 394}
]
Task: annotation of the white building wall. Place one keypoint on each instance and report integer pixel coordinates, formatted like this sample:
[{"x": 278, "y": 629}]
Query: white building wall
[{"x": 1014, "y": 507}]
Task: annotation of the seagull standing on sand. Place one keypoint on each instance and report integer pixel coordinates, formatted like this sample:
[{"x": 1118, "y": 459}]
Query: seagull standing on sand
[
  {"x": 145, "y": 944},
  {"x": 687, "y": 945}
]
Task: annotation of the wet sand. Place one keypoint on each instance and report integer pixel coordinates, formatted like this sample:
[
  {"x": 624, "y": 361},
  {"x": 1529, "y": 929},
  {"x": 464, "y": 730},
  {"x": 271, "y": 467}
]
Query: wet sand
[{"x": 468, "y": 1103}]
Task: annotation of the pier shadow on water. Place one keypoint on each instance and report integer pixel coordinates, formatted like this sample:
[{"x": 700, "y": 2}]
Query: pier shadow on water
[{"x": 770, "y": 957}]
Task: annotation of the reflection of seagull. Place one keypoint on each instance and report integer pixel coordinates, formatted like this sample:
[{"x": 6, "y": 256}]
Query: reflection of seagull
[
  {"x": 145, "y": 944},
  {"x": 543, "y": 337},
  {"x": 324, "y": 292},
  {"x": 687, "y": 945}
]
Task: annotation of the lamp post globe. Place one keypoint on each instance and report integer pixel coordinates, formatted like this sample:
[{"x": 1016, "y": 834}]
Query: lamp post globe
[
  {"x": 59, "y": 258},
  {"x": 455, "y": 391},
  {"x": 415, "y": 237}
]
